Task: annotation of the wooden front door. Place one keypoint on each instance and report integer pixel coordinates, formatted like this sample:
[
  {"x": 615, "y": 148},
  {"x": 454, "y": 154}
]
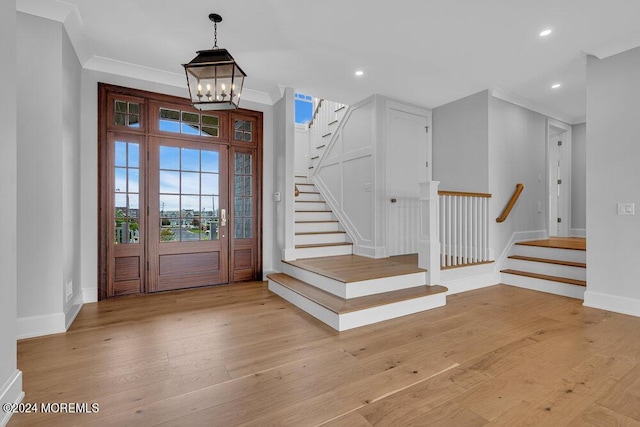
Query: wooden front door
[
  {"x": 180, "y": 194},
  {"x": 188, "y": 205}
]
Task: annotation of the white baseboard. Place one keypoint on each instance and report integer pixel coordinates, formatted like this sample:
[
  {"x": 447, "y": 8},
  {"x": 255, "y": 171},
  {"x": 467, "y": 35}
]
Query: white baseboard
[
  {"x": 11, "y": 392},
  {"x": 72, "y": 312},
  {"x": 457, "y": 286},
  {"x": 578, "y": 232},
  {"x": 89, "y": 295},
  {"x": 614, "y": 303},
  {"x": 518, "y": 236},
  {"x": 36, "y": 326}
]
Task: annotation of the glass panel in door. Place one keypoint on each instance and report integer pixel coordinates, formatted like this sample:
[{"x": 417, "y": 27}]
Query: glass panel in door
[{"x": 188, "y": 247}]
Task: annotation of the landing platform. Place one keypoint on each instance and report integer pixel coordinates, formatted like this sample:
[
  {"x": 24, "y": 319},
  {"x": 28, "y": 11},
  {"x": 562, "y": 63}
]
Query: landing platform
[
  {"x": 575, "y": 243},
  {"x": 354, "y": 268}
]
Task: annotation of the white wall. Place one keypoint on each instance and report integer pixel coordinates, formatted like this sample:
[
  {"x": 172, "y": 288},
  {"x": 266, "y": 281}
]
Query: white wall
[
  {"x": 378, "y": 152},
  {"x": 613, "y": 155},
  {"x": 282, "y": 175},
  {"x": 10, "y": 376},
  {"x": 517, "y": 154},
  {"x": 301, "y": 150},
  {"x": 460, "y": 144},
  {"x": 40, "y": 177},
  {"x": 347, "y": 168},
  {"x": 579, "y": 177},
  {"x": 89, "y": 171},
  {"x": 70, "y": 92}
]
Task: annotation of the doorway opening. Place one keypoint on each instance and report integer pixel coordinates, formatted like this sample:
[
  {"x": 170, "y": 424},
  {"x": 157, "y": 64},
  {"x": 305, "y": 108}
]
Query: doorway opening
[{"x": 558, "y": 178}]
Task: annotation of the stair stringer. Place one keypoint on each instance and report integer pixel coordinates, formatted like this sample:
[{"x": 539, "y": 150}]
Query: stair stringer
[{"x": 363, "y": 246}]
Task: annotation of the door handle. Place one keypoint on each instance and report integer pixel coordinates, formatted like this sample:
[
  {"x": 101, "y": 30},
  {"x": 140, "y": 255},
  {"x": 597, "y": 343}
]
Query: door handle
[{"x": 223, "y": 217}]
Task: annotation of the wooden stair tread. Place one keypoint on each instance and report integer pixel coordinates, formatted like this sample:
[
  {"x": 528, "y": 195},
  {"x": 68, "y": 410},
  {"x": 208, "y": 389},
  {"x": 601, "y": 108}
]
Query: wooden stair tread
[
  {"x": 549, "y": 261},
  {"x": 299, "y": 176},
  {"x": 314, "y": 211},
  {"x": 340, "y": 305},
  {"x": 546, "y": 277},
  {"x": 314, "y": 222},
  {"x": 309, "y": 192},
  {"x": 322, "y": 245},
  {"x": 574, "y": 243},
  {"x": 310, "y": 201},
  {"x": 320, "y": 146}
]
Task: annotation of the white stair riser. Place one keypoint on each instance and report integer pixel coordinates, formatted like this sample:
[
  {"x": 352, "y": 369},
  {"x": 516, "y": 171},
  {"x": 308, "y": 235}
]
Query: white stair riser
[
  {"x": 311, "y": 206},
  {"x": 308, "y": 227},
  {"x": 356, "y": 289},
  {"x": 359, "y": 318},
  {"x": 550, "y": 253},
  {"x": 317, "y": 239},
  {"x": 314, "y": 309},
  {"x": 309, "y": 197},
  {"x": 557, "y": 288},
  {"x": 306, "y": 187},
  {"x": 314, "y": 216},
  {"x": 323, "y": 251},
  {"x": 569, "y": 272},
  {"x": 325, "y": 283}
]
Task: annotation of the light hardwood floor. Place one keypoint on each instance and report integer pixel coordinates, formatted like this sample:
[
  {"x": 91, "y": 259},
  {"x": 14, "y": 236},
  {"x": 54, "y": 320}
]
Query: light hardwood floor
[{"x": 239, "y": 355}]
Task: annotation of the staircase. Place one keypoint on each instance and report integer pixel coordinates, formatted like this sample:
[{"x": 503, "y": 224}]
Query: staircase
[
  {"x": 317, "y": 230},
  {"x": 556, "y": 265},
  {"x": 326, "y": 118},
  {"x": 349, "y": 291}
]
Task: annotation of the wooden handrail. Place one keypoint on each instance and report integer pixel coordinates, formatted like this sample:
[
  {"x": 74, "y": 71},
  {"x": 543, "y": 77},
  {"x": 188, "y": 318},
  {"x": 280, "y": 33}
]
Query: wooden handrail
[
  {"x": 463, "y": 193},
  {"x": 507, "y": 209}
]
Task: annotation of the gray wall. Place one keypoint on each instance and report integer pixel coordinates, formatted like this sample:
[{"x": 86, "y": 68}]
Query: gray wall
[
  {"x": 579, "y": 176},
  {"x": 517, "y": 154},
  {"x": 40, "y": 183},
  {"x": 460, "y": 144},
  {"x": 10, "y": 380},
  {"x": 613, "y": 175}
]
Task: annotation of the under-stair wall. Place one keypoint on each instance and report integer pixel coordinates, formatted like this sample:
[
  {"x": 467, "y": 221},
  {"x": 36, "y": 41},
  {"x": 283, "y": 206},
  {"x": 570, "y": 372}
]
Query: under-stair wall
[{"x": 370, "y": 171}]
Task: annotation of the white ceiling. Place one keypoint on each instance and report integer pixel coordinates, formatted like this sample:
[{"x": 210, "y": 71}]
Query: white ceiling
[{"x": 429, "y": 52}]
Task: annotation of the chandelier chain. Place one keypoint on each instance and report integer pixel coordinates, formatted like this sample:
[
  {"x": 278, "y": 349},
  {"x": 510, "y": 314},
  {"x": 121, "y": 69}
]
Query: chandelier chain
[{"x": 215, "y": 35}]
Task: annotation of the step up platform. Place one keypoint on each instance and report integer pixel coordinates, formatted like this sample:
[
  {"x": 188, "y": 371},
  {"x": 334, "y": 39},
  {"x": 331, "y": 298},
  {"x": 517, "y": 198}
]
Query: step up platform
[
  {"x": 349, "y": 291},
  {"x": 555, "y": 265}
]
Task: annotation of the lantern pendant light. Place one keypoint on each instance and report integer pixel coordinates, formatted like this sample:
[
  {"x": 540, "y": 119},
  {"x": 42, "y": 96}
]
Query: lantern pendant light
[{"x": 214, "y": 78}]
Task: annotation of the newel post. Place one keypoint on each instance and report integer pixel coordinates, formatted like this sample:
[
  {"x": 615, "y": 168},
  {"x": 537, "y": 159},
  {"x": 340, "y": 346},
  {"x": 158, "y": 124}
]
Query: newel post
[{"x": 429, "y": 238}]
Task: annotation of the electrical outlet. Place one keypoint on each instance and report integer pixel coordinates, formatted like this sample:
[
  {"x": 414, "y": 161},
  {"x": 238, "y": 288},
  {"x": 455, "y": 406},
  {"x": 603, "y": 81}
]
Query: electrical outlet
[
  {"x": 539, "y": 207},
  {"x": 626, "y": 208}
]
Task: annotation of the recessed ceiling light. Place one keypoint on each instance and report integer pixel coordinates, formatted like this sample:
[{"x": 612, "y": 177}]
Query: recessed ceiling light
[
  {"x": 545, "y": 33},
  {"x": 555, "y": 85},
  {"x": 359, "y": 73}
]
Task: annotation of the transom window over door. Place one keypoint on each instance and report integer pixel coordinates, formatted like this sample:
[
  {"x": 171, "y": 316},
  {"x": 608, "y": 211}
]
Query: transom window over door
[{"x": 180, "y": 194}]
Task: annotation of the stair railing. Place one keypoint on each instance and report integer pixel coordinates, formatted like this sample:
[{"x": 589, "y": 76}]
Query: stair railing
[
  {"x": 464, "y": 228},
  {"x": 514, "y": 198}
]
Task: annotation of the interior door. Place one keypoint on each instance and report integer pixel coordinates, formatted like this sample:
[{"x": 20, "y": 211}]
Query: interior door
[{"x": 188, "y": 214}]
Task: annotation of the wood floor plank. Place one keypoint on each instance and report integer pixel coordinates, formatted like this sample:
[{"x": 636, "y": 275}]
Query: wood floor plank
[
  {"x": 239, "y": 354},
  {"x": 598, "y": 416}
]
